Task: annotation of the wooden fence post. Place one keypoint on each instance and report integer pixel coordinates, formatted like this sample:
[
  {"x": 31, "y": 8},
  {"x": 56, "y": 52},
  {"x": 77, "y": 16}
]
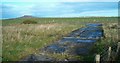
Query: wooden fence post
[
  {"x": 97, "y": 58},
  {"x": 118, "y": 48},
  {"x": 109, "y": 53},
  {"x": 54, "y": 52}
]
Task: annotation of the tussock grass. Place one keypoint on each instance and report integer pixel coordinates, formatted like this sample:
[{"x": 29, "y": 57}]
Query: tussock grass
[{"x": 22, "y": 40}]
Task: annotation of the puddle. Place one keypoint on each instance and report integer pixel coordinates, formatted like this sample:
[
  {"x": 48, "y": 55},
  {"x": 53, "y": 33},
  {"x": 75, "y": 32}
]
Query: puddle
[
  {"x": 55, "y": 48},
  {"x": 91, "y": 34},
  {"x": 81, "y": 51},
  {"x": 93, "y": 25},
  {"x": 33, "y": 57},
  {"x": 76, "y": 40}
]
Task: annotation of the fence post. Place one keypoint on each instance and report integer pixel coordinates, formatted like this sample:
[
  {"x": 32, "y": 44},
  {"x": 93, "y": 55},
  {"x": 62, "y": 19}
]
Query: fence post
[
  {"x": 109, "y": 53},
  {"x": 118, "y": 48},
  {"x": 97, "y": 58}
]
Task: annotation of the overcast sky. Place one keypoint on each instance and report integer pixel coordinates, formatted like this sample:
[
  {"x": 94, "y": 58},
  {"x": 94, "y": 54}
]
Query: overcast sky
[
  {"x": 59, "y": 8},
  {"x": 60, "y": 0}
]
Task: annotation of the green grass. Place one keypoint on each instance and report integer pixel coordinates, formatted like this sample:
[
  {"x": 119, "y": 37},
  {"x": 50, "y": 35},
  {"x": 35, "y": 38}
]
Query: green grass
[
  {"x": 63, "y": 20},
  {"x": 20, "y": 40}
]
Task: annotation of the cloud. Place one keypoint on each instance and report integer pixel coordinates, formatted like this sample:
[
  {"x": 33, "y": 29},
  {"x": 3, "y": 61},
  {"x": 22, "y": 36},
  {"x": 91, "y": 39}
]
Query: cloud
[
  {"x": 101, "y": 13},
  {"x": 90, "y": 13},
  {"x": 63, "y": 8},
  {"x": 59, "y": 9},
  {"x": 90, "y": 0},
  {"x": 13, "y": 10},
  {"x": 30, "y": 1},
  {"x": 60, "y": 0}
]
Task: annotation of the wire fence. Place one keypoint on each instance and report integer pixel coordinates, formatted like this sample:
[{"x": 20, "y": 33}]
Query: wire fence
[{"x": 109, "y": 54}]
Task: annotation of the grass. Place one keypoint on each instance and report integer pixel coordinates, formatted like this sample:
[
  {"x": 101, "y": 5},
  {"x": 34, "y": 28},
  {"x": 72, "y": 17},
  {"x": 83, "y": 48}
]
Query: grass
[
  {"x": 0, "y": 41},
  {"x": 111, "y": 38},
  {"x": 20, "y": 40},
  {"x": 77, "y": 21}
]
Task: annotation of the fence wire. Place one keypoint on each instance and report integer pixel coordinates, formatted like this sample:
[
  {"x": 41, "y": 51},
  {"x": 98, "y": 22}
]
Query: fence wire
[{"x": 104, "y": 53}]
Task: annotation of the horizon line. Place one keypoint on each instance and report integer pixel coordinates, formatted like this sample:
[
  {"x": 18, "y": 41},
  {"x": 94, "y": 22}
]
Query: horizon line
[{"x": 57, "y": 17}]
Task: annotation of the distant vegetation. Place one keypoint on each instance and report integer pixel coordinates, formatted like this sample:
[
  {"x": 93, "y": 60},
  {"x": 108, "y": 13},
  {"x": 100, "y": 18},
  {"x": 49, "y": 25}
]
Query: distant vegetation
[
  {"x": 75, "y": 21},
  {"x": 29, "y": 22},
  {"x": 20, "y": 40}
]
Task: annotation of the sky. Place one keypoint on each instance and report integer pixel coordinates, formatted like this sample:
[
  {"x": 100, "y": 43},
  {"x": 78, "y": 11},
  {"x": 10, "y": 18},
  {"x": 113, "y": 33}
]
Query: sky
[
  {"x": 60, "y": 0},
  {"x": 58, "y": 8}
]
